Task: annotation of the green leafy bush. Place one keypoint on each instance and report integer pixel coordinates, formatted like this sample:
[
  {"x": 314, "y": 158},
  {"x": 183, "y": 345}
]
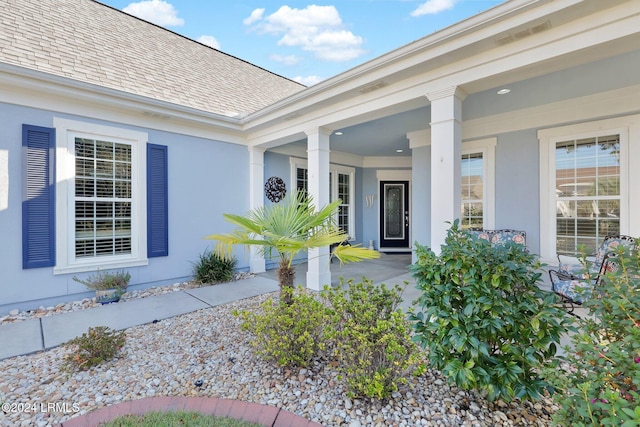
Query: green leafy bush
[
  {"x": 95, "y": 346},
  {"x": 361, "y": 330},
  {"x": 486, "y": 323},
  {"x": 288, "y": 334},
  {"x": 212, "y": 268},
  {"x": 601, "y": 386},
  {"x": 371, "y": 338}
]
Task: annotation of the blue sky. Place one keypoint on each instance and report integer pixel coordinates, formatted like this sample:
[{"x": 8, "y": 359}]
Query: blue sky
[{"x": 305, "y": 41}]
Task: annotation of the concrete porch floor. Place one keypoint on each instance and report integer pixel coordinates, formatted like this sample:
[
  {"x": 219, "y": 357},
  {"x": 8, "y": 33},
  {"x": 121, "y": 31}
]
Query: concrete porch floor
[{"x": 390, "y": 269}]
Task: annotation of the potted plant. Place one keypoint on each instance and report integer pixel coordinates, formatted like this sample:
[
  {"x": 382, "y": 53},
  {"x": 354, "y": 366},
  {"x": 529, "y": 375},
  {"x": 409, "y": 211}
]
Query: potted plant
[{"x": 109, "y": 287}]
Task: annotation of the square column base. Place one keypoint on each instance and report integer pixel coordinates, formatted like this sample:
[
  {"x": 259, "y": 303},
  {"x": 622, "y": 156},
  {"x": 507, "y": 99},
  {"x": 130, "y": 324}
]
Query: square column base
[
  {"x": 317, "y": 281},
  {"x": 257, "y": 265}
]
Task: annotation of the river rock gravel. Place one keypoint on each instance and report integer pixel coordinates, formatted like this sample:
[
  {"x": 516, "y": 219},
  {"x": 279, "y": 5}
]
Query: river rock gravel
[
  {"x": 205, "y": 353},
  {"x": 17, "y": 315}
]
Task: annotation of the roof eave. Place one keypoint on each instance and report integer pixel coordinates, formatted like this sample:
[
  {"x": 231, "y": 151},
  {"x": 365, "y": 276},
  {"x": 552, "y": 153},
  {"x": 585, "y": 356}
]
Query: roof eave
[
  {"x": 60, "y": 85},
  {"x": 361, "y": 76}
]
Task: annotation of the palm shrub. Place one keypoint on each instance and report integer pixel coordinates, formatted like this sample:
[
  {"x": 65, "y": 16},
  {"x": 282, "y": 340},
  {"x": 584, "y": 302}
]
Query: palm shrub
[
  {"x": 371, "y": 338},
  {"x": 486, "y": 323},
  {"x": 212, "y": 268},
  {"x": 286, "y": 229},
  {"x": 601, "y": 386}
]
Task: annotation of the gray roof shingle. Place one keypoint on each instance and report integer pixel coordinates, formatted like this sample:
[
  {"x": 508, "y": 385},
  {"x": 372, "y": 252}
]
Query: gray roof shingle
[{"x": 94, "y": 43}]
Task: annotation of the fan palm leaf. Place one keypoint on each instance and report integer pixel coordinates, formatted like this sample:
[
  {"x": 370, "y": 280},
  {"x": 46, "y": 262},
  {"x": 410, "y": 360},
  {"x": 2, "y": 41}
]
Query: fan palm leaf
[{"x": 289, "y": 228}]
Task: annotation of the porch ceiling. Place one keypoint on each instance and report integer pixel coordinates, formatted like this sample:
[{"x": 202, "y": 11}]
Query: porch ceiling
[{"x": 383, "y": 135}]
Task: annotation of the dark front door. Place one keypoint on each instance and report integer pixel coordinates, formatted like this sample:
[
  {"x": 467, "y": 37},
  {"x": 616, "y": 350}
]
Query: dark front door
[{"x": 394, "y": 214}]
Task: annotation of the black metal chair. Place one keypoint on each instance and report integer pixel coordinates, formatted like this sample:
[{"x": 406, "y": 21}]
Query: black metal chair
[{"x": 574, "y": 282}]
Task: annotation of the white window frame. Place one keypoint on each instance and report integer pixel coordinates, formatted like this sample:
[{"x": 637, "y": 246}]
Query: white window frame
[
  {"x": 66, "y": 132},
  {"x": 628, "y": 128},
  {"x": 334, "y": 170},
  {"x": 486, "y": 147}
]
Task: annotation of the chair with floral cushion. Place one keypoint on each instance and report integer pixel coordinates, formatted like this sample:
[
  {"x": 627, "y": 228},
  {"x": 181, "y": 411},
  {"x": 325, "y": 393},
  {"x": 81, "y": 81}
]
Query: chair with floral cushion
[
  {"x": 574, "y": 282},
  {"x": 500, "y": 237}
]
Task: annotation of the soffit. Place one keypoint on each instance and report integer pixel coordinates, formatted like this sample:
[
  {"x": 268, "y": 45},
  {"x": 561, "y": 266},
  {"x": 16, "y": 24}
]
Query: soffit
[{"x": 508, "y": 28}]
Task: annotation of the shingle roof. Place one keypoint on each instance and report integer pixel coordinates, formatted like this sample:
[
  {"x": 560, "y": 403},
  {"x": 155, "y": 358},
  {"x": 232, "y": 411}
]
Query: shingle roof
[{"x": 94, "y": 43}]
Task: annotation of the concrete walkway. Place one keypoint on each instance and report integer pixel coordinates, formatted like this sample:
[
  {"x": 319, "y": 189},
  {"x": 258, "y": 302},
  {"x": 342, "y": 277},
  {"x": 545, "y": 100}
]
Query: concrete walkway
[
  {"x": 34, "y": 335},
  {"x": 31, "y": 336}
]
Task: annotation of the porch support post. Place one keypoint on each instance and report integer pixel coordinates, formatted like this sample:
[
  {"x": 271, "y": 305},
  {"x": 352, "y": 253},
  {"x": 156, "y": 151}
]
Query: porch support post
[
  {"x": 446, "y": 142},
  {"x": 256, "y": 200},
  {"x": 419, "y": 143},
  {"x": 318, "y": 273}
]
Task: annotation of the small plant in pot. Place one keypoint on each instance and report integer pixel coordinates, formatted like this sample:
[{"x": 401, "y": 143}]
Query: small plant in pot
[{"x": 109, "y": 287}]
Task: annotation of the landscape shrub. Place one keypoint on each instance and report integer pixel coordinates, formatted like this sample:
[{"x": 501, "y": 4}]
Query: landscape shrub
[
  {"x": 601, "y": 383},
  {"x": 93, "y": 347},
  {"x": 212, "y": 268},
  {"x": 371, "y": 338},
  {"x": 103, "y": 280},
  {"x": 289, "y": 334},
  {"x": 485, "y": 322}
]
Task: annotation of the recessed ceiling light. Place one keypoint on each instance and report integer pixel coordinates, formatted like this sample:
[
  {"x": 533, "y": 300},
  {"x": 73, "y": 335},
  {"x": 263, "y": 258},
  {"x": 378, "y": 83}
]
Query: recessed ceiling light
[
  {"x": 399, "y": 150},
  {"x": 503, "y": 91},
  {"x": 338, "y": 133}
]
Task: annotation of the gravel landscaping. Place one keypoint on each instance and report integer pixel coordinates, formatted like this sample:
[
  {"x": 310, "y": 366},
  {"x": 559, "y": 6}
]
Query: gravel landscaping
[{"x": 167, "y": 358}]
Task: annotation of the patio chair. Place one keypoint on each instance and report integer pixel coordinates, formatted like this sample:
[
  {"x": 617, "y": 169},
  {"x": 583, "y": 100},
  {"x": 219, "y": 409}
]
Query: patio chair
[
  {"x": 574, "y": 283},
  {"x": 500, "y": 237}
]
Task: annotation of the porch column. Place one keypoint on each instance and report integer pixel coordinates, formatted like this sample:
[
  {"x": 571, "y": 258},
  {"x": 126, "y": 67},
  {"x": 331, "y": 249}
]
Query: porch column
[
  {"x": 446, "y": 142},
  {"x": 256, "y": 200},
  {"x": 318, "y": 273},
  {"x": 419, "y": 143}
]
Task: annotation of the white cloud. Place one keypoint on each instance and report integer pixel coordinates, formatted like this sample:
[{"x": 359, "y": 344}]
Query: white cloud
[
  {"x": 157, "y": 11},
  {"x": 336, "y": 46},
  {"x": 286, "y": 60},
  {"x": 431, "y": 7},
  {"x": 255, "y": 16},
  {"x": 308, "y": 80},
  {"x": 209, "y": 41},
  {"x": 315, "y": 29}
]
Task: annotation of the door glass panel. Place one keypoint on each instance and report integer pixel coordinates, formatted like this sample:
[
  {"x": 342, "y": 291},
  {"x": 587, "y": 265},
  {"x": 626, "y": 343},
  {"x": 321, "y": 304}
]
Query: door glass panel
[{"x": 394, "y": 212}]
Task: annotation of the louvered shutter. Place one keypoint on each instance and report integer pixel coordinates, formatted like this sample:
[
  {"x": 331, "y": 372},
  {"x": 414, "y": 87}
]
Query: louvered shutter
[
  {"x": 38, "y": 201},
  {"x": 157, "y": 201}
]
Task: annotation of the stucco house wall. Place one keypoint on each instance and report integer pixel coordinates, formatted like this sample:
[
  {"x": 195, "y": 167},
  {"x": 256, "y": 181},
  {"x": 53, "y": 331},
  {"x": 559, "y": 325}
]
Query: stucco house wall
[
  {"x": 200, "y": 191},
  {"x": 571, "y": 68}
]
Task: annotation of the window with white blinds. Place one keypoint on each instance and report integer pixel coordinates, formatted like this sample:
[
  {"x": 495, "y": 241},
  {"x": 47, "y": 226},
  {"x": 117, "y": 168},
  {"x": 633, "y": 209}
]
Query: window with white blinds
[
  {"x": 472, "y": 197},
  {"x": 344, "y": 210},
  {"x": 103, "y": 198},
  {"x": 302, "y": 179},
  {"x": 588, "y": 196},
  {"x": 341, "y": 186}
]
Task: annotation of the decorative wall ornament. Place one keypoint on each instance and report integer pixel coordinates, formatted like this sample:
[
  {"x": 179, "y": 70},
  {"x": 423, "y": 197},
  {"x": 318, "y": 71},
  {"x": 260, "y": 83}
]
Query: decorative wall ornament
[
  {"x": 275, "y": 189},
  {"x": 369, "y": 200}
]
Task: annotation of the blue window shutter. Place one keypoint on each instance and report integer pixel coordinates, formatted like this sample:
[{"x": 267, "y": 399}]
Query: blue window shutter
[
  {"x": 157, "y": 201},
  {"x": 38, "y": 198}
]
